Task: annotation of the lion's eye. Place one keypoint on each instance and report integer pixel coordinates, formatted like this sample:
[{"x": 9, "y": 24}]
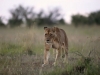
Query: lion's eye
[
  {"x": 45, "y": 34},
  {"x": 51, "y": 34}
]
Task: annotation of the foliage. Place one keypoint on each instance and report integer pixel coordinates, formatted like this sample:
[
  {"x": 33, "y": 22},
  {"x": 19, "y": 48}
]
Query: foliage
[
  {"x": 79, "y": 19},
  {"x": 1, "y": 23},
  {"x": 93, "y": 18},
  {"x": 15, "y": 22},
  {"x": 50, "y": 19},
  {"x": 26, "y": 15},
  {"x": 21, "y": 15}
]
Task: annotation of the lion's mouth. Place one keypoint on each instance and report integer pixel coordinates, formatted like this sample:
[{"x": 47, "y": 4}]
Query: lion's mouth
[{"x": 48, "y": 42}]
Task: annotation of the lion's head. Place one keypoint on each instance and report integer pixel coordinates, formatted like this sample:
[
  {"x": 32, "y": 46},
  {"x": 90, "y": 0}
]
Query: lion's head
[{"x": 50, "y": 34}]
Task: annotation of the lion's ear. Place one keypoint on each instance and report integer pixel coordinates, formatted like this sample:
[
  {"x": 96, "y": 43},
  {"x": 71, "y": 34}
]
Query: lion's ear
[
  {"x": 45, "y": 27},
  {"x": 55, "y": 29}
]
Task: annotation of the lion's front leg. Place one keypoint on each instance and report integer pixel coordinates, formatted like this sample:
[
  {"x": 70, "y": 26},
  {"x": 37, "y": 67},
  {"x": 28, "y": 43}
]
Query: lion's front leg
[
  {"x": 46, "y": 56},
  {"x": 57, "y": 56}
]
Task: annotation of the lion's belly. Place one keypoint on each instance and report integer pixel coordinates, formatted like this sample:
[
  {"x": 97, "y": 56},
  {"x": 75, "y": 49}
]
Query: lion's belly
[
  {"x": 56, "y": 45},
  {"x": 62, "y": 36},
  {"x": 53, "y": 46}
]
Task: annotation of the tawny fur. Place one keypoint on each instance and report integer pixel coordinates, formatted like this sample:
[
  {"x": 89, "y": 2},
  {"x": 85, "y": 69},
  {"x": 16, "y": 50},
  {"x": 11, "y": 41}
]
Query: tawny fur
[{"x": 55, "y": 38}]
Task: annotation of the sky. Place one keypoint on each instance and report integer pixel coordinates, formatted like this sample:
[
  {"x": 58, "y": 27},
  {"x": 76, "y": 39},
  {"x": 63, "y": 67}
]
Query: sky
[{"x": 68, "y": 7}]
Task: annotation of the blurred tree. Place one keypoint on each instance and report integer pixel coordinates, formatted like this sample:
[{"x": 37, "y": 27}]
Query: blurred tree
[
  {"x": 93, "y": 18},
  {"x": 79, "y": 19},
  {"x": 21, "y": 15},
  {"x": 62, "y": 21},
  {"x": 1, "y": 23},
  {"x": 50, "y": 19},
  {"x": 40, "y": 20},
  {"x": 26, "y": 15}
]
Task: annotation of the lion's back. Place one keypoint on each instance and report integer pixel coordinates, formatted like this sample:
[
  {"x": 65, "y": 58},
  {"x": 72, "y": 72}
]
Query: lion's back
[{"x": 63, "y": 37}]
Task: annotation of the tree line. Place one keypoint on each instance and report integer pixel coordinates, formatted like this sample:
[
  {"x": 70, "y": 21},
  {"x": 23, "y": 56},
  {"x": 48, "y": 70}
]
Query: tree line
[
  {"x": 27, "y": 16},
  {"x": 91, "y": 19}
]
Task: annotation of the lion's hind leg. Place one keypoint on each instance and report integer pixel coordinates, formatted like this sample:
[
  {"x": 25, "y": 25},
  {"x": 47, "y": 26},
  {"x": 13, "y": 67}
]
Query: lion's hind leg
[
  {"x": 66, "y": 55},
  {"x": 63, "y": 53}
]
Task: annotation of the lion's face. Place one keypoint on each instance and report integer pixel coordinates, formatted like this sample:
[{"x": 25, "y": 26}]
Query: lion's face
[{"x": 49, "y": 34}]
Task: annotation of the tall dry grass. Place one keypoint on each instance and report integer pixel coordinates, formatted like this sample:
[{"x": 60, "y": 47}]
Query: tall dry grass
[{"x": 21, "y": 50}]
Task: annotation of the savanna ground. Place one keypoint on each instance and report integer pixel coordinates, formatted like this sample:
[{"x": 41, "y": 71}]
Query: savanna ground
[{"x": 21, "y": 52}]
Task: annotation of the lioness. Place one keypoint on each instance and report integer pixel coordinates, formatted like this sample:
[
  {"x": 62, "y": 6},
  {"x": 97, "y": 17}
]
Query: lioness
[{"x": 55, "y": 38}]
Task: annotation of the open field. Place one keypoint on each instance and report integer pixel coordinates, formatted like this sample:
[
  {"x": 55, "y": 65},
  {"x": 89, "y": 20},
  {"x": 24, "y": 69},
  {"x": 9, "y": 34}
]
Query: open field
[{"x": 21, "y": 51}]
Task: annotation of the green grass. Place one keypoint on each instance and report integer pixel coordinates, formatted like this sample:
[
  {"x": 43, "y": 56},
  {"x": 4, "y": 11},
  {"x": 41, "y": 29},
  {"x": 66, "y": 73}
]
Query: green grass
[
  {"x": 9, "y": 49},
  {"x": 21, "y": 51}
]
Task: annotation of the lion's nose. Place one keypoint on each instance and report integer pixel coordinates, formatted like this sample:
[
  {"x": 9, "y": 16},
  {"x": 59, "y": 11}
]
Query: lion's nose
[{"x": 47, "y": 40}]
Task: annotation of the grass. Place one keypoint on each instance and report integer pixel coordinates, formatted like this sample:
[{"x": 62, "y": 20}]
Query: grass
[{"x": 21, "y": 51}]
